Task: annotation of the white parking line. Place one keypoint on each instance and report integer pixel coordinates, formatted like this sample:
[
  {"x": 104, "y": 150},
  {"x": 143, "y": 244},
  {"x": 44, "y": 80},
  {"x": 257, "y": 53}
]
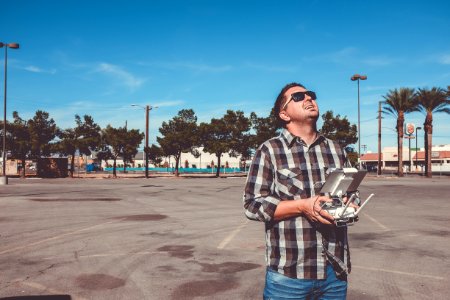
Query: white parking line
[
  {"x": 400, "y": 273},
  {"x": 228, "y": 239},
  {"x": 119, "y": 254},
  {"x": 54, "y": 238},
  {"x": 376, "y": 222},
  {"x": 43, "y": 288}
]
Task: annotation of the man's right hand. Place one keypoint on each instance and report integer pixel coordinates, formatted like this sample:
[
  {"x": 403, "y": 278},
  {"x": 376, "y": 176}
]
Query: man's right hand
[{"x": 311, "y": 208}]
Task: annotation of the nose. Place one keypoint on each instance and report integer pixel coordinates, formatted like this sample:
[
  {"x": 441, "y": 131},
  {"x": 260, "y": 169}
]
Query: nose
[{"x": 308, "y": 98}]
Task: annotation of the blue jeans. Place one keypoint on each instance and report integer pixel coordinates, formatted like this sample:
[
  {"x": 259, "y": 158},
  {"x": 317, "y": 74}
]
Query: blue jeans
[{"x": 280, "y": 287}]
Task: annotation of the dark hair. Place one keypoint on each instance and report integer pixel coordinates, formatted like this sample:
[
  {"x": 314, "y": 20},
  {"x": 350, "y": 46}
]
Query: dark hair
[{"x": 280, "y": 101}]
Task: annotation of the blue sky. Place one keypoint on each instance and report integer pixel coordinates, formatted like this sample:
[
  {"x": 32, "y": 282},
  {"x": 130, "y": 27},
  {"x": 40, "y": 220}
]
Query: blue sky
[{"x": 99, "y": 57}]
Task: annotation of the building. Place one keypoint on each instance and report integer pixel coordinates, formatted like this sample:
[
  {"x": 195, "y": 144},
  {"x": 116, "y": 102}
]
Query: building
[
  {"x": 440, "y": 159},
  {"x": 187, "y": 160}
]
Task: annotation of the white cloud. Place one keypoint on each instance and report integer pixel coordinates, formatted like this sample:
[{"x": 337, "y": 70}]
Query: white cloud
[
  {"x": 35, "y": 69},
  {"x": 353, "y": 55},
  {"x": 445, "y": 59},
  {"x": 169, "y": 103},
  {"x": 270, "y": 68},
  {"x": 120, "y": 74},
  {"x": 378, "y": 61},
  {"x": 196, "y": 67},
  {"x": 342, "y": 55}
]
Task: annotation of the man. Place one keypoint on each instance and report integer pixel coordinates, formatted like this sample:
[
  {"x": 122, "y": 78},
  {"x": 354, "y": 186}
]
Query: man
[{"x": 307, "y": 256}]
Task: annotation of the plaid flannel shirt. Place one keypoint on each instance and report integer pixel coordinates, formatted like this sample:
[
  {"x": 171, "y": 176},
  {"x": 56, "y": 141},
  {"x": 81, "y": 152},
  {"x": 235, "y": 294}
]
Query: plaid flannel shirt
[{"x": 285, "y": 168}]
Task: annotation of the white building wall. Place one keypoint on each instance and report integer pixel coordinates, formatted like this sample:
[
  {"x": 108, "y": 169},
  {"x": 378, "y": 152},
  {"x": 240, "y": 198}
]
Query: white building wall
[{"x": 203, "y": 161}]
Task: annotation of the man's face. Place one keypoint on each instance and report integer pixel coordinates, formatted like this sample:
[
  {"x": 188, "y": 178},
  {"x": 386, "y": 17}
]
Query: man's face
[{"x": 301, "y": 111}]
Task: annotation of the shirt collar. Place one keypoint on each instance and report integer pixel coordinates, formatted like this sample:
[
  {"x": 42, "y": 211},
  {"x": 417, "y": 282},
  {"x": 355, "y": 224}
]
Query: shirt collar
[{"x": 291, "y": 139}]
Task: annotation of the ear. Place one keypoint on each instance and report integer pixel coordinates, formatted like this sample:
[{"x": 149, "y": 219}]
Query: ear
[{"x": 284, "y": 116}]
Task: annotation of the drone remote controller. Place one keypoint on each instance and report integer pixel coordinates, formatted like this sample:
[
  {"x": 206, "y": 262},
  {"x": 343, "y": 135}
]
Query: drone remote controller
[{"x": 342, "y": 183}]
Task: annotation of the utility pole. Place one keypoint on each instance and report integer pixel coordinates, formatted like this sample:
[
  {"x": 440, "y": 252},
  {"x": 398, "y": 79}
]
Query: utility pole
[
  {"x": 147, "y": 109},
  {"x": 147, "y": 116},
  {"x": 379, "y": 138}
]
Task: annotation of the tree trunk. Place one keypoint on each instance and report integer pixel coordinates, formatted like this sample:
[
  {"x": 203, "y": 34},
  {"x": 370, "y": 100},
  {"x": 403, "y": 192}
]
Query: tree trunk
[
  {"x": 218, "y": 164},
  {"x": 72, "y": 165},
  {"x": 428, "y": 144},
  {"x": 124, "y": 165},
  {"x": 400, "y": 121},
  {"x": 400, "y": 156},
  {"x": 114, "y": 168},
  {"x": 428, "y": 150},
  {"x": 23, "y": 169},
  {"x": 177, "y": 160},
  {"x": 38, "y": 166}
]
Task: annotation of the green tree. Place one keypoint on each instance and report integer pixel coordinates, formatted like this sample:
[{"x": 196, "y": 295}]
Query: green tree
[
  {"x": 265, "y": 128},
  {"x": 398, "y": 103},
  {"x": 179, "y": 135},
  {"x": 112, "y": 145},
  {"x": 132, "y": 139},
  {"x": 121, "y": 143},
  {"x": 85, "y": 137},
  {"x": 226, "y": 135},
  {"x": 431, "y": 101},
  {"x": 155, "y": 154},
  {"x": 352, "y": 155},
  {"x": 339, "y": 129},
  {"x": 19, "y": 140},
  {"x": 43, "y": 130},
  {"x": 104, "y": 153}
]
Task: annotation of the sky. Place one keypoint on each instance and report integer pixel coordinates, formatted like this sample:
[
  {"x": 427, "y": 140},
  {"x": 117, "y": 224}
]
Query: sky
[{"x": 100, "y": 57}]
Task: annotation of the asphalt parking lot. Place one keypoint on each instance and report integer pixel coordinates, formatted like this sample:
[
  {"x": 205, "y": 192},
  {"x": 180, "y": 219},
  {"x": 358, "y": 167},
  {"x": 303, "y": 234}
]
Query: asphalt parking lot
[{"x": 187, "y": 238}]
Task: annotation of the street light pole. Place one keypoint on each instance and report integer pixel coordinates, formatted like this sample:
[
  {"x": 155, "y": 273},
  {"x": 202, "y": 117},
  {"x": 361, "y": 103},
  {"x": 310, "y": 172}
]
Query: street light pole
[
  {"x": 417, "y": 128},
  {"x": 409, "y": 138},
  {"x": 4, "y": 178},
  {"x": 358, "y": 77}
]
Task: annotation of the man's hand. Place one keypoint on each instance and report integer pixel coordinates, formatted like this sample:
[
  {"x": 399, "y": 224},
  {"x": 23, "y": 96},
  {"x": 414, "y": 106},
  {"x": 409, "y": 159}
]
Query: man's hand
[
  {"x": 355, "y": 206},
  {"x": 312, "y": 209}
]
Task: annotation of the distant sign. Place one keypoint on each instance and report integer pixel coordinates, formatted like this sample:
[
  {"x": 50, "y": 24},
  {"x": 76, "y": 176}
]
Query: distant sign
[
  {"x": 410, "y": 127},
  {"x": 435, "y": 154}
]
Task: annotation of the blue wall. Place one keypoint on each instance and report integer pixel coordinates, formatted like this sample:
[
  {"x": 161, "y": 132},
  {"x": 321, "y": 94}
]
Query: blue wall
[{"x": 180, "y": 170}]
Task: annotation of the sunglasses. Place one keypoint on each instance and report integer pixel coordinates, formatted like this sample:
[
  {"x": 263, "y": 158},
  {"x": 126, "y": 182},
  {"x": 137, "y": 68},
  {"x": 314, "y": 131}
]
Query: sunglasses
[{"x": 300, "y": 96}]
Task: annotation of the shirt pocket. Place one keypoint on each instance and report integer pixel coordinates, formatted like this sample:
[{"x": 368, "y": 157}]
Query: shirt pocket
[{"x": 290, "y": 183}]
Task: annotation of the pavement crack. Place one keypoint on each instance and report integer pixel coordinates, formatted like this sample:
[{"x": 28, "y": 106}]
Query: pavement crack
[{"x": 46, "y": 269}]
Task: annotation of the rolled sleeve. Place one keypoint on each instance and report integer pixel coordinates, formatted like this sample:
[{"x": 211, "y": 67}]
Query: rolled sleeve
[{"x": 259, "y": 201}]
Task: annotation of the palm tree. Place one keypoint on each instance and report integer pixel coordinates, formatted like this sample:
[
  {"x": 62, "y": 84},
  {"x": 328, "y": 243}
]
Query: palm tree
[
  {"x": 429, "y": 101},
  {"x": 398, "y": 103}
]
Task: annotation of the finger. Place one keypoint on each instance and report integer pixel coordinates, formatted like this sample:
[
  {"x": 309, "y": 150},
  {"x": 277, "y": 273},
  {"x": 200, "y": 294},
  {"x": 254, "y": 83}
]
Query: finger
[
  {"x": 325, "y": 199},
  {"x": 326, "y": 215},
  {"x": 321, "y": 201},
  {"x": 354, "y": 206},
  {"x": 323, "y": 220}
]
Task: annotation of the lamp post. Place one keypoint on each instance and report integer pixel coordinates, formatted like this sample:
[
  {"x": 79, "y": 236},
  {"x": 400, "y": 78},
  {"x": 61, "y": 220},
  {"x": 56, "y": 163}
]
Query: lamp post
[
  {"x": 4, "y": 178},
  {"x": 358, "y": 77},
  {"x": 147, "y": 108},
  {"x": 417, "y": 128},
  {"x": 409, "y": 137}
]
